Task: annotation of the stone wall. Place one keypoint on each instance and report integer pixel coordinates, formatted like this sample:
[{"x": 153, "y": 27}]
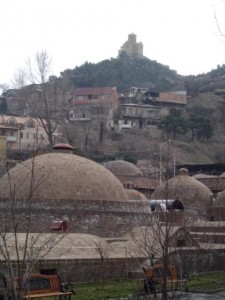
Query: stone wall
[
  {"x": 88, "y": 270},
  {"x": 216, "y": 213},
  {"x": 102, "y": 218},
  {"x": 199, "y": 260}
]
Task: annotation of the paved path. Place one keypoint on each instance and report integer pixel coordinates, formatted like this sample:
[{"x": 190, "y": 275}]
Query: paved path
[{"x": 217, "y": 296}]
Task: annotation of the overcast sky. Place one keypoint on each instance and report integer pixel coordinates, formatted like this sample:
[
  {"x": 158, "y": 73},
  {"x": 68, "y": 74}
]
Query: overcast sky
[{"x": 179, "y": 33}]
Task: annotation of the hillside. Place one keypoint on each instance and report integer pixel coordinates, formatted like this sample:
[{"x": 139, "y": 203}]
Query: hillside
[
  {"x": 213, "y": 81},
  {"x": 205, "y": 93},
  {"x": 124, "y": 72},
  {"x": 144, "y": 145}
]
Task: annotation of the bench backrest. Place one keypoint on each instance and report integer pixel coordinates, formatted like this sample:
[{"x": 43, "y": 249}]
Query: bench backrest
[
  {"x": 157, "y": 272},
  {"x": 39, "y": 283}
]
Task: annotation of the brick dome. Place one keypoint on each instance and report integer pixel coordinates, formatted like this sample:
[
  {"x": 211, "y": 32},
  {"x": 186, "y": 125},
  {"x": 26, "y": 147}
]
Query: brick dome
[
  {"x": 135, "y": 195},
  {"x": 192, "y": 193},
  {"x": 122, "y": 168},
  {"x": 62, "y": 176}
]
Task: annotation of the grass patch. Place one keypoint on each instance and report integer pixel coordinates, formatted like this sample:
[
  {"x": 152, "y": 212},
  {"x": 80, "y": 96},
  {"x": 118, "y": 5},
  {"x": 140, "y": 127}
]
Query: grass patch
[
  {"x": 110, "y": 289},
  {"x": 117, "y": 289},
  {"x": 207, "y": 282}
]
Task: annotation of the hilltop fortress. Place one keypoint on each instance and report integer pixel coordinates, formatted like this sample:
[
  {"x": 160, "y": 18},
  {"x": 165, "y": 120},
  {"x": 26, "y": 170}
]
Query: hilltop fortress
[{"x": 131, "y": 47}]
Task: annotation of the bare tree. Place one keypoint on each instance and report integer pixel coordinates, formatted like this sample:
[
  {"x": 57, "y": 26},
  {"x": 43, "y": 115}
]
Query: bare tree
[
  {"x": 4, "y": 87},
  {"x": 44, "y": 95},
  {"x": 221, "y": 31},
  {"x": 102, "y": 249}
]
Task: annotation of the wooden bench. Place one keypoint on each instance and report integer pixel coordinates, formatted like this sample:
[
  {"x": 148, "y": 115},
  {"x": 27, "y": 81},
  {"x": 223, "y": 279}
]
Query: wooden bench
[
  {"x": 178, "y": 283},
  {"x": 43, "y": 286},
  {"x": 154, "y": 277}
]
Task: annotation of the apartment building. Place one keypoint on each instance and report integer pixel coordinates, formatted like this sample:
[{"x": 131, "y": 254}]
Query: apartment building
[{"x": 94, "y": 105}]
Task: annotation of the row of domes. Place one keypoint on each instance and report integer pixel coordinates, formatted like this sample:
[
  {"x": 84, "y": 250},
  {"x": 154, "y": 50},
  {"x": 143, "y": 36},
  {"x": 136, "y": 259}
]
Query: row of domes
[
  {"x": 62, "y": 176},
  {"x": 66, "y": 176}
]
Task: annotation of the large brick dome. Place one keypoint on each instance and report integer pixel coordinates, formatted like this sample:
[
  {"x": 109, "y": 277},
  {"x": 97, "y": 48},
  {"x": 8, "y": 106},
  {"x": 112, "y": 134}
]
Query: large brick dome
[
  {"x": 62, "y": 176},
  {"x": 193, "y": 194}
]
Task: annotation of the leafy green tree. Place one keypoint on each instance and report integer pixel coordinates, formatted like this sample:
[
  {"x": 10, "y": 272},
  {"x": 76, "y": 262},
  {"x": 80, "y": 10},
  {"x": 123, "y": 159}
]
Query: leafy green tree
[
  {"x": 200, "y": 126},
  {"x": 173, "y": 124},
  {"x": 130, "y": 157},
  {"x": 124, "y": 72}
]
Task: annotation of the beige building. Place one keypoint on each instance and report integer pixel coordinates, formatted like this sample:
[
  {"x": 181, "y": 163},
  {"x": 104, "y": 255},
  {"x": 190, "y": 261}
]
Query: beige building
[
  {"x": 23, "y": 133},
  {"x": 2, "y": 147}
]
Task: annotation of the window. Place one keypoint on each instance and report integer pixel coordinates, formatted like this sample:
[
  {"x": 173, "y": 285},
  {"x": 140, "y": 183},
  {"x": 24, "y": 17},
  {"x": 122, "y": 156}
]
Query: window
[
  {"x": 12, "y": 122},
  {"x": 30, "y": 124},
  {"x": 34, "y": 136},
  {"x": 79, "y": 98},
  {"x": 27, "y": 135},
  {"x": 104, "y": 97},
  {"x": 181, "y": 243},
  {"x": 129, "y": 186},
  {"x": 21, "y": 135}
]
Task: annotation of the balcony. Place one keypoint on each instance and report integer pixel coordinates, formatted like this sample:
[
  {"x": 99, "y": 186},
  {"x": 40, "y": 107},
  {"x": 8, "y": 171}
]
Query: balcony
[
  {"x": 11, "y": 138},
  {"x": 79, "y": 119},
  {"x": 125, "y": 126}
]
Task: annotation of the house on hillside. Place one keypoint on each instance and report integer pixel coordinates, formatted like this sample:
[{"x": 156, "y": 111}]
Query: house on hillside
[
  {"x": 142, "y": 107},
  {"x": 94, "y": 108},
  {"x": 23, "y": 133}
]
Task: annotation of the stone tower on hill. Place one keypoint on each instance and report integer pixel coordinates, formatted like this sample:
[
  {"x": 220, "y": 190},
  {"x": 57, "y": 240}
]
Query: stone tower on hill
[{"x": 131, "y": 47}]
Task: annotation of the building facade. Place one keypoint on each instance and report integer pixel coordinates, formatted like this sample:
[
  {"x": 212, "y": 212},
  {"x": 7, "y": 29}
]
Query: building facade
[
  {"x": 23, "y": 133},
  {"x": 142, "y": 107}
]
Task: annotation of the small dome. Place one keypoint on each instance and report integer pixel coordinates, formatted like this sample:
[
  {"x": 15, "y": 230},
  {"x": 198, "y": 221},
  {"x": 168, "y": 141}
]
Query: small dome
[
  {"x": 122, "y": 167},
  {"x": 188, "y": 190},
  {"x": 135, "y": 195},
  {"x": 62, "y": 176}
]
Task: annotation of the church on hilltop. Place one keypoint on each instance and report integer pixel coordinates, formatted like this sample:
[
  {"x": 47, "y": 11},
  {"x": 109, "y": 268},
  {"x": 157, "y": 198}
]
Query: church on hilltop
[{"x": 131, "y": 47}]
